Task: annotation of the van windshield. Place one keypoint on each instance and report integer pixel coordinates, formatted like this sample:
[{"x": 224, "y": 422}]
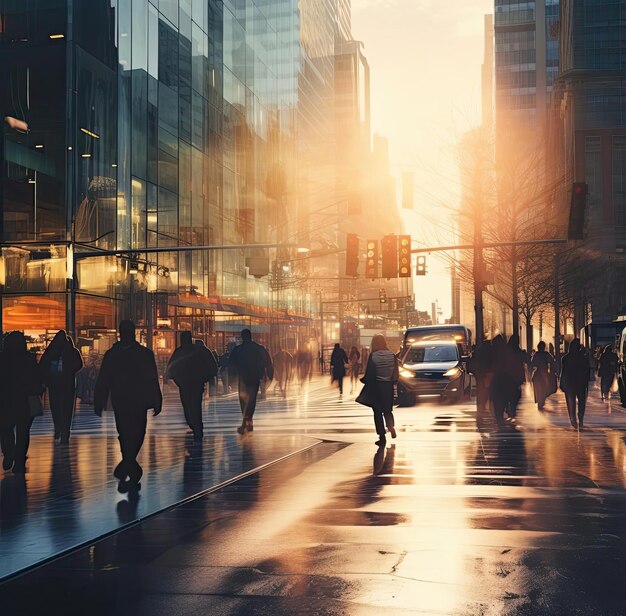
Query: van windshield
[{"x": 432, "y": 354}]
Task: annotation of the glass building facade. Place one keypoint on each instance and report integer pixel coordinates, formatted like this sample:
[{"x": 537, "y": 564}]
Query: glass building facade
[
  {"x": 591, "y": 95},
  {"x": 147, "y": 125},
  {"x": 526, "y": 59}
]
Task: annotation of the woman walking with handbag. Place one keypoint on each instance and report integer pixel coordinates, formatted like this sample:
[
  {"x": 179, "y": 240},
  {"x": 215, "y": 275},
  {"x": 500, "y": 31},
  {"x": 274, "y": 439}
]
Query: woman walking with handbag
[{"x": 379, "y": 379}]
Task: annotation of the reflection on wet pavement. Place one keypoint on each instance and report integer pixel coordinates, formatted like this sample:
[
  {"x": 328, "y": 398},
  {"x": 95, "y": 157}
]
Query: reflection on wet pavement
[
  {"x": 450, "y": 519},
  {"x": 69, "y": 495}
]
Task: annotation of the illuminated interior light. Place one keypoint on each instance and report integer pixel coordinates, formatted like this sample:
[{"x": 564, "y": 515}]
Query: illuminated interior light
[
  {"x": 57, "y": 36},
  {"x": 90, "y": 133},
  {"x": 86, "y": 155},
  {"x": 39, "y": 146}
]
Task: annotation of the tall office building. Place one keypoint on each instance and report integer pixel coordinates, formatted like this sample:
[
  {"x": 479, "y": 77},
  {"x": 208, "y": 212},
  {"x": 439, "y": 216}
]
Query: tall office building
[
  {"x": 525, "y": 62},
  {"x": 590, "y": 130},
  {"x": 136, "y": 130}
]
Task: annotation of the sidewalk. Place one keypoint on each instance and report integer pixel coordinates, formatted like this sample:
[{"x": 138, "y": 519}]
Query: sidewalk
[{"x": 70, "y": 498}]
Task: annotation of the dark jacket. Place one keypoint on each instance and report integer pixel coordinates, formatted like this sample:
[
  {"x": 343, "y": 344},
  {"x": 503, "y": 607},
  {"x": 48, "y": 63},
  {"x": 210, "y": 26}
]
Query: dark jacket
[
  {"x": 250, "y": 362},
  {"x": 129, "y": 374},
  {"x": 191, "y": 366},
  {"x": 20, "y": 377},
  {"x": 60, "y": 362},
  {"x": 575, "y": 372},
  {"x": 607, "y": 367},
  {"x": 338, "y": 361},
  {"x": 378, "y": 394}
]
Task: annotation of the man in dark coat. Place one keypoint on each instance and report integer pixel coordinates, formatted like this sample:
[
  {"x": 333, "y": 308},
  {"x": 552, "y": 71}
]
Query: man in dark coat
[
  {"x": 575, "y": 381},
  {"x": 508, "y": 377},
  {"x": 338, "y": 362},
  {"x": 129, "y": 374},
  {"x": 250, "y": 363},
  {"x": 481, "y": 366},
  {"x": 60, "y": 363},
  {"x": 190, "y": 367},
  {"x": 20, "y": 378}
]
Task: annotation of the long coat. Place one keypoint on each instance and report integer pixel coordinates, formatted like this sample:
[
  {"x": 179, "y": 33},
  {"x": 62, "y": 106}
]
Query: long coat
[
  {"x": 338, "y": 361},
  {"x": 129, "y": 374}
]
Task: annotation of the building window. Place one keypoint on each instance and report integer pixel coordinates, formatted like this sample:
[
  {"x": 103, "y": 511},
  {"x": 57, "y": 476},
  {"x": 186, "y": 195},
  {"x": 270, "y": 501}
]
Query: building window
[
  {"x": 593, "y": 177},
  {"x": 619, "y": 183}
]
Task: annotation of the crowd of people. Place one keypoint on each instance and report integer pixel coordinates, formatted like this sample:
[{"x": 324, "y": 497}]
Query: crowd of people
[
  {"x": 501, "y": 368},
  {"x": 127, "y": 381}
]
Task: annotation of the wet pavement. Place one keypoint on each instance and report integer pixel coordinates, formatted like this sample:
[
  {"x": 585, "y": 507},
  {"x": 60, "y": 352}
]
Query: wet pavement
[{"x": 448, "y": 519}]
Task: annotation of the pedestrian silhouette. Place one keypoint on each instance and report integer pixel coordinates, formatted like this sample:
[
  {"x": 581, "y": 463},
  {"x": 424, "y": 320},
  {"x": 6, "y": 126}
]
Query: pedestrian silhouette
[
  {"x": 481, "y": 366},
  {"x": 60, "y": 363},
  {"x": 283, "y": 370},
  {"x": 223, "y": 361},
  {"x": 380, "y": 375},
  {"x": 129, "y": 376},
  {"x": 20, "y": 382},
  {"x": 575, "y": 382},
  {"x": 250, "y": 363},
  {"x": 213, "y": 359},
  {"x": 607, "y": 370},
  {"x": 543, "y": 376},
  {"x": 190, "y": 367},
  {"x": 338, "y": 364},
  {"x": 354, "y": 360},
  {"x": 304, "y": 365},
  {"x": 508, "y": 377}
]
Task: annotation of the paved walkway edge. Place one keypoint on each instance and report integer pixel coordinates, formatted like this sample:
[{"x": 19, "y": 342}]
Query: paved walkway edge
[{"x": 184, "y": 501}]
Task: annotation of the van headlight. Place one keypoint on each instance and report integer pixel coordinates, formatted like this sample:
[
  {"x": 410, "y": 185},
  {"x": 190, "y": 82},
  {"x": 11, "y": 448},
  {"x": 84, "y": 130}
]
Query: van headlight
[
  {"x": 406, "y": 373},
  {"x": 453, "y": 372}
]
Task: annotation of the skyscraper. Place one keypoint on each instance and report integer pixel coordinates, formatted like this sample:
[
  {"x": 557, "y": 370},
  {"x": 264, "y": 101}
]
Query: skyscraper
[
  {"x": 137, "y": 130},
  {"x": 590, "y": 129},
  {"x": 525, "y": 61}
]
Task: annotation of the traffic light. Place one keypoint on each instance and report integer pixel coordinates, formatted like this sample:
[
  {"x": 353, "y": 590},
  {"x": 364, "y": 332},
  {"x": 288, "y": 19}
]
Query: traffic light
[
  {"x": 578, "y": 206},
  {"x": 421, "y": 266},
  {"x": 382, "y": 296},
  {"x": 371, "y": 264},
  {"x": 352, "y": 255},
  {"x": 390, "y": 256},
  {"x": 404, "y": 257}
]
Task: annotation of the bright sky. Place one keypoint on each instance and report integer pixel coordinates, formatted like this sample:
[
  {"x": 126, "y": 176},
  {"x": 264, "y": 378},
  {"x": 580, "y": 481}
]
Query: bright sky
[{"x": 425, "y": 58}]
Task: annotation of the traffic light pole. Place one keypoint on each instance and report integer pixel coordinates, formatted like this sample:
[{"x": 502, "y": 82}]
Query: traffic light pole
[{"x": 424, "y": 250}]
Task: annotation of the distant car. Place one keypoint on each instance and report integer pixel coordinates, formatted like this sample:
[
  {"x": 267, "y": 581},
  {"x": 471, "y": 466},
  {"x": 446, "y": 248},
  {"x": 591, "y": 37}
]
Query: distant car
[
  {"x": 432, "y": 368},
  {"x": 459, "y": 333}
]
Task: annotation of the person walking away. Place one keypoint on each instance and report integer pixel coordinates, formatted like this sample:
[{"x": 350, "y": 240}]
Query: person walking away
[
  {"x": 575, "y": 382},
  {"x": 283, "y": 368},
  {"x": 223, "y": 368},
  {"x": 508, "y": 376},
  {"x": 542, "y": 368},
  {"x": 60, "y": 363},
  {"x": 211, "y": 360},
  {"x": 607, "y": 371},
  {"x": 304, "y": 365},
  {"x": 354, "y": 359},
  {"x": 20, "y": 379},
  {"x": 380, "y": 376},
  {"x": 338, "y": 363},
  {"x": 481, "y": 365},
  {"x": 250, "y": 362},
  {"x": 129, "y": 375},
  {"x": 190, "y": 367}
]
